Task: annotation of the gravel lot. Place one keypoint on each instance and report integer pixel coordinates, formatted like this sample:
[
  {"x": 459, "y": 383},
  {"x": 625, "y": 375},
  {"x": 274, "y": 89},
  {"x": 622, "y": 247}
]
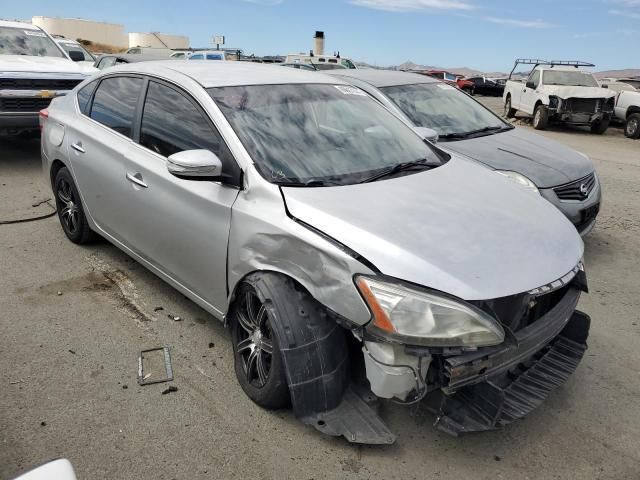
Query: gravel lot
[{"x": 73, "y": 320}]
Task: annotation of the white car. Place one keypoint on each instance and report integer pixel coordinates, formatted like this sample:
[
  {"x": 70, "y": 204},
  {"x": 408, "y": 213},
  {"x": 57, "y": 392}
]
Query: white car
[
  {"x": 627, "y": 107},
  {"x": 76, "y": 51},
  {"x": 557, "y": 91},
  {"x": 33, "y": 70}
]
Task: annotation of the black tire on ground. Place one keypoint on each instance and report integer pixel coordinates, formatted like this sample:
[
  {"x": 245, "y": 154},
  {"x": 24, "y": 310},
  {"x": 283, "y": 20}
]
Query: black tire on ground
[
  {"x": 261, "y": 300},
  {"x": 540, "y": 117},
  {"x": 508, "y": 111},
  {"x": 632, "y": 126},
  {"x": 70, "y": 210},
  {"x": 600, "y": 126}
]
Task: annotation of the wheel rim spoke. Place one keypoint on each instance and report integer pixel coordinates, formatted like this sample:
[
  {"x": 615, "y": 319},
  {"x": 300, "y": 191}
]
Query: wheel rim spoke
[
  {"x": 251, "y": 364},
  {"x": 249, "y": 304},
  {"x": 245, "y": 323},
  {"x": 266, "y": 346},
  {"x": 260, "y": 367},
  {"x": 246, "y": 344},
  {"x": 261, "y": 317}
]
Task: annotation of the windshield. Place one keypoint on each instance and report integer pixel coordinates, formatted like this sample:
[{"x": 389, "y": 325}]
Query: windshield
[
  {"x": 569, "y": 78},
  {"x": 15, "y": 41},
  {"x": 450, "y": 77},
  {"x": 348, "y": 63},
  {"x": 68, "y": 47},
  {"x": 302, "y": 133},
  {"x": 442, "y": 108}
]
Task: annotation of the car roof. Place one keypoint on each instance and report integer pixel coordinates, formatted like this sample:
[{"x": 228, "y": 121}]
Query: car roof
[
  {"x": 227, "y": 74},
  {"x": 383, "y": 78},
  {"x": 132, "y": 57},
  {"x": 22, "y": 25}
]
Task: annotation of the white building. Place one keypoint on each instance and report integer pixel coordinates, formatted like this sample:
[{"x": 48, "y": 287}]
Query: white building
[{"x": 107, "y": 33}]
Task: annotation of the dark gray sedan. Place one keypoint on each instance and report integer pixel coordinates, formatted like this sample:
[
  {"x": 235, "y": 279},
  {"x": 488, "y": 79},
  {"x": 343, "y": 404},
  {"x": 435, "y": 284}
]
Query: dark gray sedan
[{"x": 563, "y": 176}]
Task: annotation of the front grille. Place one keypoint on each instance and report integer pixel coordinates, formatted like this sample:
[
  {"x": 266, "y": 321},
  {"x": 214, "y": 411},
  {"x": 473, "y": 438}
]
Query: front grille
[
  {"x": 37, "y": 84},
  {"x": 582, "y": 105},
  {"x": 23, "y": 104},
  {"x": 577, "y": 190}
]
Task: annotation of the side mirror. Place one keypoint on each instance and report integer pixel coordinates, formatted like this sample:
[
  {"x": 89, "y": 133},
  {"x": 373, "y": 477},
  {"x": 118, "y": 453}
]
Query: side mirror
[
  {"x": 195, "y": 164},
  {"x": 427, "y": 134},
  {"x": 76, "y": 56},
  {"x": 530, "y": 84}
]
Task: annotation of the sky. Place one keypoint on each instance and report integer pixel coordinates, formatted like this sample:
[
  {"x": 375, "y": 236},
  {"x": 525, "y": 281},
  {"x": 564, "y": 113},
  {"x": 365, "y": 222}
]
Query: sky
[{"x": 486, "y": 35}]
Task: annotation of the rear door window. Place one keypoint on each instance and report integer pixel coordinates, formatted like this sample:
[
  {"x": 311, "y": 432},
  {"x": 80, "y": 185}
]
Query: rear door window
[
  {"x": 115, "y": 101},
  {"x": 172, "y": 122},
  {"x": 84, "y": 96}
]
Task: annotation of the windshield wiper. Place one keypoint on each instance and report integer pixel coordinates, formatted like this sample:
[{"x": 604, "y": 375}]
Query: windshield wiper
[
  {"x": 310, "y": 183},
  {"x": 476, "y": 132},
  {"x": 422, "y": 163}
]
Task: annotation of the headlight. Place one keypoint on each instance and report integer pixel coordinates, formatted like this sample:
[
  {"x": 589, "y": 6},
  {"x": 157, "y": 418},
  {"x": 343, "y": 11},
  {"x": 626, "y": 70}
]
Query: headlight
[
  {"x": 419, "y": 317},
  {"x": 520, "y": 180}
]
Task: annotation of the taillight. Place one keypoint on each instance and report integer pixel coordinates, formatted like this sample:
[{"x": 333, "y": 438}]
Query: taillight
[{"x": 44, "y": 114}]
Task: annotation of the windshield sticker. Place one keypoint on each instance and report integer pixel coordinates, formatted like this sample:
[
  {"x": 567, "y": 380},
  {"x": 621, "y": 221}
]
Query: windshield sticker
[
  {"x": 32, "y": 33},
  {"x": 350, "y": 90},
  {"x": 444, "y": 86}
]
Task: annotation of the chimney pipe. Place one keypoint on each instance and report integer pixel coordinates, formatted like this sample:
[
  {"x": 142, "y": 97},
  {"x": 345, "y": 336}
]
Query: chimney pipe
[{"x": 318, "y": 43}]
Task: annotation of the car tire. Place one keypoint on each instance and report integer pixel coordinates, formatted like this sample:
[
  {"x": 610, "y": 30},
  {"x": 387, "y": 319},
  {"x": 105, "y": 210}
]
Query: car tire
[
  {"x": 508, "y": 111},
  {"x": 258, "y": 360},
  {"x": 540, "y": 117},
  {"x": 70, "y": 210},
  {"x": 600, "y": 126},
  {"x": 632, "y": 126}
]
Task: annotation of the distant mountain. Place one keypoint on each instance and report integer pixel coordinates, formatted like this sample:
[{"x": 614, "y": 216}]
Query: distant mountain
[{"x": 470, "y": 72}]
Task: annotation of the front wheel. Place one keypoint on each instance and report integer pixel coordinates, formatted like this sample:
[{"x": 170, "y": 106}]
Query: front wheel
[
  {"x": 508, "y": 111},
  {"x": 600, "y": 126},
  {"x": 259, "y": 364},
  {"x": 540, "y": 117},
  {"x": 632, "y": 126}
]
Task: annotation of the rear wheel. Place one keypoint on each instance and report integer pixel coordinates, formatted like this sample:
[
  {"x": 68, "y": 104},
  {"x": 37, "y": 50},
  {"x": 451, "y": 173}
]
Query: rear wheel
[
  {"x": 632, "y": 126},
  {"x": 69, "y": 206},
  {"x": 508, "y": 111},
  {"x": 540, "y": 117},
  {"x": 600, "y": 126}
]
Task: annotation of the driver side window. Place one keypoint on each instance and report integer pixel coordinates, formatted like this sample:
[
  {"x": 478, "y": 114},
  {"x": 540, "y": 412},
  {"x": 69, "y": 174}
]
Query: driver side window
[
  {"x": 172, "y": 123},
  {"x": 535, "y": 78}
]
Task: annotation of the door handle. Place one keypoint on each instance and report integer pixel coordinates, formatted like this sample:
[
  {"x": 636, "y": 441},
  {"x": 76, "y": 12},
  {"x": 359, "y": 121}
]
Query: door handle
[
  {"x": 137, "y": 179},
  {"x": 77, "y": 147}
]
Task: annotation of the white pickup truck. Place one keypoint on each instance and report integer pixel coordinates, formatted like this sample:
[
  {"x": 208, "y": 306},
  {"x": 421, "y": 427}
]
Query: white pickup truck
[
  {"x": 627, "y": 107},
  {"x": 557, "y": 91},
  {"x": 33, "y": 70}
]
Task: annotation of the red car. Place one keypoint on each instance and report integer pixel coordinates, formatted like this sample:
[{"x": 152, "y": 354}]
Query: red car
[{"x": 451, "y": 79}]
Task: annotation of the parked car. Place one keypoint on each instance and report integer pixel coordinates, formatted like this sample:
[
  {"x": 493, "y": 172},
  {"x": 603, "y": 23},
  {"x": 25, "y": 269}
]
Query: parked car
[
  {"x": 75, "y": 49},
  {"x": 300, "y": 66},
  {"x": 110, "y": 60},
  {"x": 627, "y": 107},
  {"x": 33, "y": 70},
  {"x": 634, "y": 82},
  {"x": 208, "y": 55},
  {"x": 340, "y": 248},
  {"x": 558, "y": 91},
  {"x": 319, "y": 60},
  {"x": 159, "y": 53},
  {"x": 564, "y": 177},
  {"x": 485, "y": 86}
]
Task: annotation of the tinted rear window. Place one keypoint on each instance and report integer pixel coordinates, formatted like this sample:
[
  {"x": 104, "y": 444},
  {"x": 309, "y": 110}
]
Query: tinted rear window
[
  {"x": 115, "y": 101},
  {"x": 84, "y": 95}
]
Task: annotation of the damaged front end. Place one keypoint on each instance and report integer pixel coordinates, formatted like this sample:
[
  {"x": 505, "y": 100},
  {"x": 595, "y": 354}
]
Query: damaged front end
[
  {"x": 468, "y": 389},
  {"x": 580, "y": 111}
]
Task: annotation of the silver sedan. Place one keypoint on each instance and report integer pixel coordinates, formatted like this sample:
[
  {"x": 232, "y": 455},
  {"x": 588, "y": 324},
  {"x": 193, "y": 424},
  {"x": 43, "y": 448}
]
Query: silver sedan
[{"x": 347, "y": 255}]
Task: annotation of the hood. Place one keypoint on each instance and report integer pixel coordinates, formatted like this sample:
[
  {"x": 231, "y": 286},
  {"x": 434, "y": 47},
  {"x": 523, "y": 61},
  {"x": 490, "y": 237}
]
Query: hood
[
  {"x": 546, "y": 162},
  {"x": 565, "y": 92},
  {"x": 35, "y": 64},
  {"x": 459, "y": 228}
]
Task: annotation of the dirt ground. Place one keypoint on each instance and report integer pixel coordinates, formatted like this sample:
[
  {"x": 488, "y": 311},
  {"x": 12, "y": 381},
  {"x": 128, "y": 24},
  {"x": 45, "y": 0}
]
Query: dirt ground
[{"x": 73, "y": 319}]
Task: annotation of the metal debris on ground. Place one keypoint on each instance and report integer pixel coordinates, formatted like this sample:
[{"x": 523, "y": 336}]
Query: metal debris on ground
[
  {"x": 175, "y": 318},
  {"x": 147, "y": 378},
  {"x": 171, "y": 389}
]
